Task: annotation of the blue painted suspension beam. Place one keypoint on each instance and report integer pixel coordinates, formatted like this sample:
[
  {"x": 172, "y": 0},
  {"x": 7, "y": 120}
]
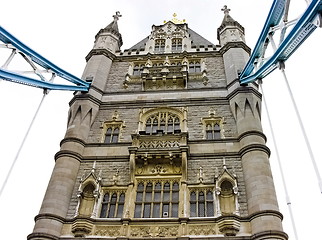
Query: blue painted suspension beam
[
  {"x": 8, "y": 38},
  {"x": 274, "y": 17},
  {"x": 300, "y": 32}
]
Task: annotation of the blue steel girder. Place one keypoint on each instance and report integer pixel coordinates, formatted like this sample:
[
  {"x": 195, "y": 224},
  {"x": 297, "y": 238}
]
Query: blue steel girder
[
  {"x": 300, "y": 32},
  {"x": 5, "y": 74}
]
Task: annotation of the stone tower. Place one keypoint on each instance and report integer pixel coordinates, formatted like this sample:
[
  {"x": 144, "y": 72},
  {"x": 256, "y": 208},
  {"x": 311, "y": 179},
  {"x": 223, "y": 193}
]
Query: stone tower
[{"x": 166, "y": 144}]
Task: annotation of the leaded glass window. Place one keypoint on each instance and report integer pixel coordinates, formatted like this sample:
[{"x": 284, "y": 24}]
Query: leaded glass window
[
  {"x": 194, "y": 67},
  {"x": 157, "y": 200},
  {"x": 112, "y": 135},
  {"x": 213, "y": 131},
  {"x": 137, "y": 70},
  {"x": 201, "y": 203},
  {"x": 112, "y": 205},
  {"x": 159, "y": 45},
  {"x": 176, "y": 44}
]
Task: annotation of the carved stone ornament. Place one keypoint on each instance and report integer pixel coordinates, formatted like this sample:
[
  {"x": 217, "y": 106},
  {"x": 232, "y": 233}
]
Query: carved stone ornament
[
  {"x": 111, "y": 231},
  {"x": 157, "y": 169},
  {"x": 154, "y": 231},
  {"x": 81, "y": 229},
  {"x": 229, "y": 227},
  {"x": 159, "y": 144},
  {"x": 202, "y": 230}
]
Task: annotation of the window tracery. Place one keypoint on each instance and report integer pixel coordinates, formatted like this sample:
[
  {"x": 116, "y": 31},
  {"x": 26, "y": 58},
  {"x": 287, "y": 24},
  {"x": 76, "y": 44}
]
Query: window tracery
[{"x": 162, "y": 122}]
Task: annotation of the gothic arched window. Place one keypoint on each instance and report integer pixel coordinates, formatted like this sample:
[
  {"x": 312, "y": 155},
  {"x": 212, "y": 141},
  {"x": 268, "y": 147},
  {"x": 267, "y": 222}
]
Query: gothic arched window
[
  {"x": 176, "y": 44},
  {"x": 213, "y": 131},
  {"x": 112, "y": 205},
  {"x": 112, "y": 135},
  {"x": 159, "y": 45},
  {"x": 162, "y": 122},
  {"x": 157, "y": 200},
  {"x": 137, "y": 70},
  {"x": 194, "y": 67}
]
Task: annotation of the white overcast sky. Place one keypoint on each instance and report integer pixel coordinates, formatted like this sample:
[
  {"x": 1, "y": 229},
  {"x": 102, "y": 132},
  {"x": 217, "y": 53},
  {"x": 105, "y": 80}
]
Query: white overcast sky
[{"x": 64, "y": 31}]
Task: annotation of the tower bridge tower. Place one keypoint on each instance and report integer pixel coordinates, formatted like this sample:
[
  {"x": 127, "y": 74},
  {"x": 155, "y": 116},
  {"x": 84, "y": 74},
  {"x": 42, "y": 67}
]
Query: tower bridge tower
[{"x": 166, "y": 144}]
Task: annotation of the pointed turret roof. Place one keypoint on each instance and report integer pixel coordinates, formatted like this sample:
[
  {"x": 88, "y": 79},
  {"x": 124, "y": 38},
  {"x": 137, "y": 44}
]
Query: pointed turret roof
[
  {"x": 228, "y": 21},
  {"x": 113, "y": 28},
  {"x": 113, "y": 25}
]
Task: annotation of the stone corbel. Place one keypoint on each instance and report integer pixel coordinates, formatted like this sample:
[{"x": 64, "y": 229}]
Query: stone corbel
[{"x": 229, "y": 227}]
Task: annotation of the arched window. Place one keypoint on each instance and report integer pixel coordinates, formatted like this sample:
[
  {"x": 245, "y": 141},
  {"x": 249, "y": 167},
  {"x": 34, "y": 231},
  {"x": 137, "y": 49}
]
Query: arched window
[
  {"x": 156, "y": 200},
  {"x": 176, "y": 44},
  {"x": 159, "y": 45},
  {"x": 201, "y": 203},
  {"x": 112, "y": 205},
  {"x": 194, "y": 67},
  {"x": 213, "y": 131},
  {"x": 120, "y": 205},
  {"x": 137, "y": 70},
  {"x": 162, "y": 122},
  {"x": 193, "y": 204},
  {"x": 112, "y": 135}
]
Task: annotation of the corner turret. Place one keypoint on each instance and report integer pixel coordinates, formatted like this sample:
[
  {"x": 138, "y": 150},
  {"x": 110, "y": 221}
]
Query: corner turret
[
  {"x": 109, "y": 37},
  {"x": 230, "y": 30},
  {"x": 233, "y": 47}
]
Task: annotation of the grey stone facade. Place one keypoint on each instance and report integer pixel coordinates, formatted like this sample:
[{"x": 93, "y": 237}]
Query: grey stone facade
[{"x": 167, "y": 112}]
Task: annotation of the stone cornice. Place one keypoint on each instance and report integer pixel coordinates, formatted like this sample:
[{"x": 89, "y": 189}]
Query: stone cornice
[
  {"x": 244, "y": 89},
  {"x": 255, "y": 147},
  {"x": 44, "y": 236},
  {"x": 50, "y": 216},
  {"x": 72, "y": 139},
  {"x": 250, "y": 133},
  {"x": 85, "y": 96},
  {"x": 230, "y": 45},
  {"x": 103, "y": 52},
  {"x": 67, "y": 153}
]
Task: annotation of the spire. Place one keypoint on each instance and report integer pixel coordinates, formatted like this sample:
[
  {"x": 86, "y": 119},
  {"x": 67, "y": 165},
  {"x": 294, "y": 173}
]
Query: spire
[
  {"x": 227, "y": 17},
  {"x": 113, "y": 25},
  {"x": 229, "y": 30},
  {"x": 110, "y": 30}
]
